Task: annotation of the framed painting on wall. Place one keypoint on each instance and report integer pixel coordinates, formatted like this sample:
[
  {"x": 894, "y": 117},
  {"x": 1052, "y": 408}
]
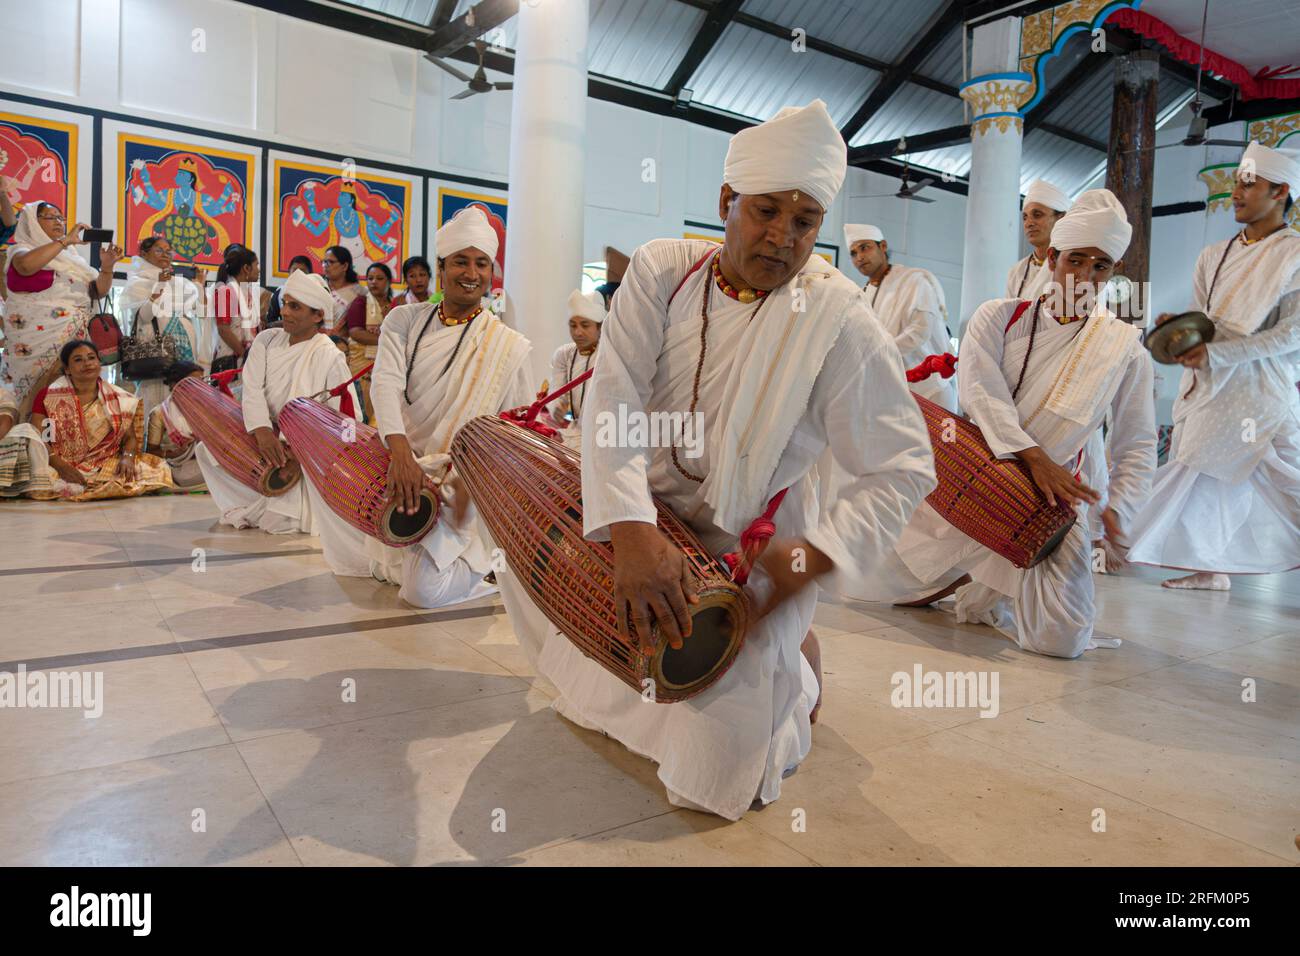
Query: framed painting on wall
[
  {"x": 317, "y": 206},
  {"x": 196, "y": 197},
  {"x": 38, "y": 160}
]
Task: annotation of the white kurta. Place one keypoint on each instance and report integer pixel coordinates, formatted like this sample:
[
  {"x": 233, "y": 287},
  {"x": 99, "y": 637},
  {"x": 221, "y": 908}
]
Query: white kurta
[
  {"x": 275, "y": 373},
  {"x": 1048, "y": 608},
  {"x": 1025, "y": 280},
  {"x": 732, "y": 743},
  {"x": 566, "y": 365},
  {"x": 908, "y": 306},
  {"x": 1228, "y": 499},
  {"x": 448, "y": 565}
]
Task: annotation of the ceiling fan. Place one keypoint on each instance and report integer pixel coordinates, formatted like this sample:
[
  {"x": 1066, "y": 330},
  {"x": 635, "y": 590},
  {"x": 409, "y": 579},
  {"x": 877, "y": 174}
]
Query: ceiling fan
[
  {"x": 1197, "y": 128},
  {"x": 478, "y": 83},
  {"x": 907, "y": 190}
]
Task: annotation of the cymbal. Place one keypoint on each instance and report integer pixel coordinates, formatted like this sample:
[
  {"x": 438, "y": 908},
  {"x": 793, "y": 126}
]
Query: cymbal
[{"x": 1184, "y": 332}]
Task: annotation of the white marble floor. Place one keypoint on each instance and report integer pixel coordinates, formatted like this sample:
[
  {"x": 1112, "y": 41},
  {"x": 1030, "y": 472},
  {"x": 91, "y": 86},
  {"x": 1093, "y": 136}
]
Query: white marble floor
[{"x": 262, "y": 711}]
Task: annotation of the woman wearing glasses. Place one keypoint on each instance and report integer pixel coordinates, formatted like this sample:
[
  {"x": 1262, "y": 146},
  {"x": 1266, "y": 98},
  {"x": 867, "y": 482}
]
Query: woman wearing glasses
[{"x": 48, "y": 302}]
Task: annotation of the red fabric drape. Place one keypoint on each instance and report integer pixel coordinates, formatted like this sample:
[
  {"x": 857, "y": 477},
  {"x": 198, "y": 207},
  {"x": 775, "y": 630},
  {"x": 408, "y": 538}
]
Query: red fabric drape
[{"x": 1267, "y": 83}]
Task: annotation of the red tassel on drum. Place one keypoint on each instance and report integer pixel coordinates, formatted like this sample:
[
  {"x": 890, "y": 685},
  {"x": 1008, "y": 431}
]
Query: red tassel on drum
[{"x": 945, "y": 365}]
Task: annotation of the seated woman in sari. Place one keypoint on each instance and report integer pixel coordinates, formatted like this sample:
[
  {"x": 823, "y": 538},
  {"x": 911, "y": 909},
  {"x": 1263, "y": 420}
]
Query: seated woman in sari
[
  {"x": 24, "y": 462},
  {"x": 94, "y": 433}
]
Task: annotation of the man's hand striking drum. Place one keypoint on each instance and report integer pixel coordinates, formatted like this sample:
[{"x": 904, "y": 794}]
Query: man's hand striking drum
[
  {"x": 405, "y": 477},
  {"x": 652, "y": 584},
  {"x": 270, "y": 446}
]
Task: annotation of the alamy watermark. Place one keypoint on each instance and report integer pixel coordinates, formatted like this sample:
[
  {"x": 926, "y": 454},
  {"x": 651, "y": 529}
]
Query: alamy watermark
[
  {"x": 633, "y": 428},
  {"x": 76, "y": 690}
]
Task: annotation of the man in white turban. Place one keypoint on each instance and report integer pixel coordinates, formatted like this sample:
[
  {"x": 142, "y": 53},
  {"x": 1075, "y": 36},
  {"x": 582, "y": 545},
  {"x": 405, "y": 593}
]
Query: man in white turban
[
  {"x": 586, "y": 315},
  {"x": 779, "y": 356},
  {"x": 909, "y": 303},
  {"x": 284, "y": 363},
  {"x": 437, "y": 367},
  {"x": 1044, "y": 205},
  {"x": 1037, "y": 378},
  {"x": 1228, "y": 499}
]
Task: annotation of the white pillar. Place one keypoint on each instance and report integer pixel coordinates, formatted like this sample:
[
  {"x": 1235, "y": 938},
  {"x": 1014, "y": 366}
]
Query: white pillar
[
  {"x": 548, "y": 127},
  {"x": 994, "y": 93}
]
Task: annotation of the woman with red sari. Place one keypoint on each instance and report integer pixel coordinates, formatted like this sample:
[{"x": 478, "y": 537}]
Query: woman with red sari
[{"x": 94, "y": 433}]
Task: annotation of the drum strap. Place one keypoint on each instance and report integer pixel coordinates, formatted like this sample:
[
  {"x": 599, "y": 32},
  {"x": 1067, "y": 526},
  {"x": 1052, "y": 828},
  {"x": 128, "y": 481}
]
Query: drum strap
[
  {"x": 690, "y": 272},
  {"x": 1015, "y": 316}
]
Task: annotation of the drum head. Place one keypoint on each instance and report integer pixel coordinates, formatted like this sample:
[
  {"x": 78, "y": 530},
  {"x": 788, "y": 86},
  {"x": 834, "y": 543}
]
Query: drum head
[
  {"x": 280, "y": 480},
  {"x": 716, "y": 631},
  {"x": 1170, "y": 339},
  {"x": 1050, "y": 545},
  {"x": 400, "y": 529}
]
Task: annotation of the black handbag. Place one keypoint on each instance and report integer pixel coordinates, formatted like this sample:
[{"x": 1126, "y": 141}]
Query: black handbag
[{"x": 151, "y": 357}]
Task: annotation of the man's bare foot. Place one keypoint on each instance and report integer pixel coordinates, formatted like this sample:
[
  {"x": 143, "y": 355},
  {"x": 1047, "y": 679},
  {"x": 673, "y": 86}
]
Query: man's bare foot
[
  {"x": 1201, "y": 581},
  {"x": 937, "y": 595},
  {"x": 813, "y": 652}
]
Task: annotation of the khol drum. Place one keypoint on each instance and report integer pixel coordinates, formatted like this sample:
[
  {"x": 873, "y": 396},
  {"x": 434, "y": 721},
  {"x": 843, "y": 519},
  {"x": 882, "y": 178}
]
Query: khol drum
[
  {"x": 992, "y": 500},
  {"x": 217, "y": 420},
  {"x": 528, "y": 491},
  {"x": 347, "y": 463}
]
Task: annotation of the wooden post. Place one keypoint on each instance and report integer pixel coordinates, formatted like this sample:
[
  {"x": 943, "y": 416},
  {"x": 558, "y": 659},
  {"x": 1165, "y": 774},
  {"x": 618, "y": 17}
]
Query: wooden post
[{"x": 1130, "y": 172}]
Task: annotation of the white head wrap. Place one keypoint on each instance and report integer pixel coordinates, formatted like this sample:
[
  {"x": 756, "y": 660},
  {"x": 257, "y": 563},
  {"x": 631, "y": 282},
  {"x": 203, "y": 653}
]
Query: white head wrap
[
  {"x": 311, "y": 291},
  {"x": 1096, "y": 219},
  {"x": 469, "y": 228},
  {"x": 799, "y": 148},
  {"x": 29, "y": 235},
  {"x": 589, "y": 306},
  {"x": 1277, "y": 166},
  {"x": 856, "y": 232},
  {"x": 1053, "y": 197}
]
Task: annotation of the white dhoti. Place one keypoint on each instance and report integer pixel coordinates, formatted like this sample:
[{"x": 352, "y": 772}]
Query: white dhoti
[
  {"x": 242, "y": 507},
  {"x": 1201, "y": 523},
  {"x": 754, "y": 722},
  {"x": 445, "y": 567}
]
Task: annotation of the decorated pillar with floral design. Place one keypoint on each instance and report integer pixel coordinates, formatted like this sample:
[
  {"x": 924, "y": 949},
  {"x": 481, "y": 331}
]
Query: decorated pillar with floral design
[{"x": 993, "y": 197}]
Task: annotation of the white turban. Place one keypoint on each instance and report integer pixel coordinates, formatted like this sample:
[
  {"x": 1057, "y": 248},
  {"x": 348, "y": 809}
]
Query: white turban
[
  {"x": 469, "y": 228},
  {"x": 1096, "y": 219},
  {"x": 856, "y": 232},
  {"x": 799, "y": 148},
  {"x": 1043, "y": 192},
  {"x": 311, "y": 291},
  {"x": 1277, "y": 166},
  {"x": 589, "y": 306}
]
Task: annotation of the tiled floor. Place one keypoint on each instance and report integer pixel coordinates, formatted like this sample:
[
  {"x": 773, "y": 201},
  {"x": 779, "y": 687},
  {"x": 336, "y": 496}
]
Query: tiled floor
[{"x": 262, "y": 711}]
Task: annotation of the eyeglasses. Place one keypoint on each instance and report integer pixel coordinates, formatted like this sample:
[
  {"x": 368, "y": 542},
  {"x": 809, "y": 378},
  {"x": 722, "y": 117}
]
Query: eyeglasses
[
  {"x": 52, "y": 218},
  {"x": 329, "y": 262}
]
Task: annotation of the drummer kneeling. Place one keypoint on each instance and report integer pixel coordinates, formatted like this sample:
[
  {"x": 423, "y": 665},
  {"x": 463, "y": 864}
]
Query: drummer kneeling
[
  {"x": 780, "y": 355},
  {"x": 283, "y": 364},
  {"x": 1037, "y": 379}
]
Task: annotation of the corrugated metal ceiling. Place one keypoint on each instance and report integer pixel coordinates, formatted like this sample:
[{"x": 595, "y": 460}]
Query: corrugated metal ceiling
[{"x": 753, "y": 73}]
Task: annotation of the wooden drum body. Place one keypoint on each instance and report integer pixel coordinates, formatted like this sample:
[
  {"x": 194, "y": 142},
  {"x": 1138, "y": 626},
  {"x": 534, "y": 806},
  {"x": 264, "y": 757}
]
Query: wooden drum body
[
  {"x": 347, "y": 463},
  {"x": 528, "y": 491},
  {"x": 217, "y": 420},
  {"x": 992, "y": 500}
]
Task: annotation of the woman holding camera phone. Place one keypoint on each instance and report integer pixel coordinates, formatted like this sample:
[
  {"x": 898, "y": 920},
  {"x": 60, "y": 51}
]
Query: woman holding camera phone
[{"x": 49, "y": 299}]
